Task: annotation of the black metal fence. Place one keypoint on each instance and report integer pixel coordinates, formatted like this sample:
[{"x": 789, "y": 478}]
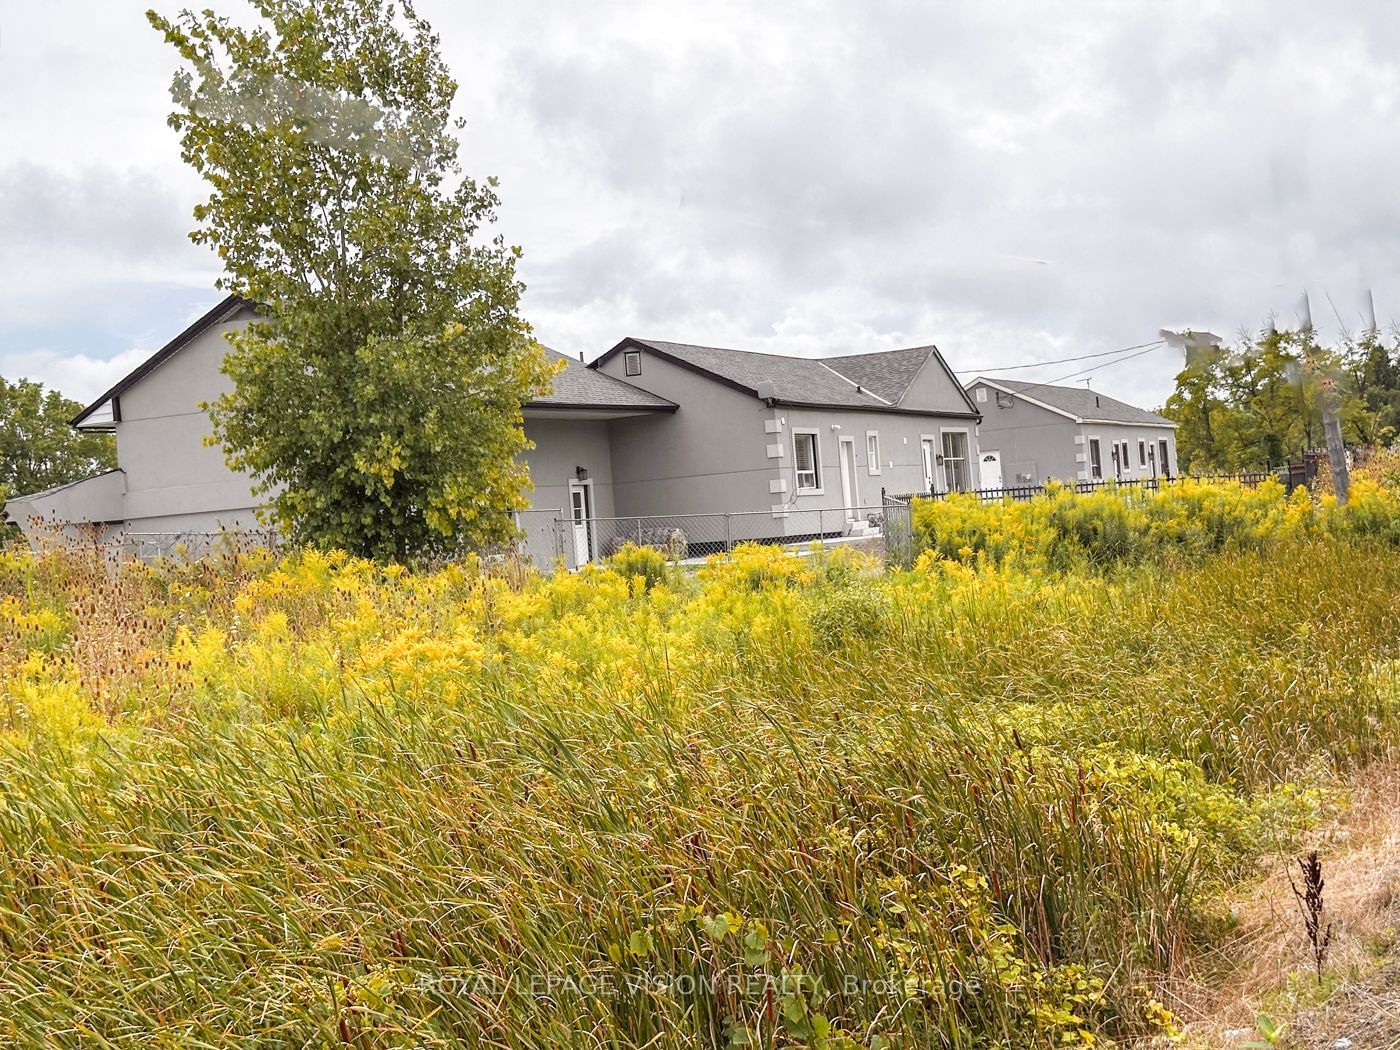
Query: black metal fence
[{"x": 1021, "y": 493}]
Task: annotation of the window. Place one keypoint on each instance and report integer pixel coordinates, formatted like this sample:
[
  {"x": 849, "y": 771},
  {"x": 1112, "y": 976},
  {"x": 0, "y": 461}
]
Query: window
[
  {"x": 1095, "y": 460},
  {"x": 805, "y": 458},
  {"x": 981, "y": 395},
  {"x": 872, "y": 451},
  {"x": 955, "y": 474},
  {"x": 1142, "y": 453},
  {"x": 1125, "y": 463},
  {"x": 632, "y": 362}
]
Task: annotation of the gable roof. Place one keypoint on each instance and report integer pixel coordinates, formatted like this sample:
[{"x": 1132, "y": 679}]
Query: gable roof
[
  {"x": 575, "y": 387},
  {"x": 579, "y": 386},
  {"x": 225, "y": 309},
  {"x": 1078, "y": 403},
  {"x": 886, "y": 374},
  {"x": 874, "y": 382}
]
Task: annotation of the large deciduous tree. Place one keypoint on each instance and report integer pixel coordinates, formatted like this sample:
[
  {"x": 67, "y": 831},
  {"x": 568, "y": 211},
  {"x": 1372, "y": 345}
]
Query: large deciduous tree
[
  {"x": 38, "y": 449},
  {"x": 378, "y": 400},
  {"x": 1259, "y": 404}
]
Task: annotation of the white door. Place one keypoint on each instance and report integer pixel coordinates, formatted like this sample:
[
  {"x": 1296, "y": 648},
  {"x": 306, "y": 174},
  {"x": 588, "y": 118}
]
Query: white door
[
  {"x": 850, "y": 487},
  {"x": 929, "y": 461},
  {"x": 991, "y": 470},
  {"x": 580, "y": 509}
]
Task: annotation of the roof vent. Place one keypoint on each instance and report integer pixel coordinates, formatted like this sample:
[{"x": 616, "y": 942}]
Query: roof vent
[
  {"x": 767, "y": 390},
  {"x": 1096, "y": 400}
]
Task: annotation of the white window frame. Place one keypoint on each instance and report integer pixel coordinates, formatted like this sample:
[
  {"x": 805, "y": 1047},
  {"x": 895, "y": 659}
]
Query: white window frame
[
  {"x": 872, "y": 437},
  {"x": 981, "y": 395},
  {"x": 1125, "y": 457},
  {"x": 797, "y": 485},
  {"x": 628, "y": 356},
  {"x": 1142, "y": 453},
  {"x": 967, "y": 458},
  {"x": 1092, "y": 442}
]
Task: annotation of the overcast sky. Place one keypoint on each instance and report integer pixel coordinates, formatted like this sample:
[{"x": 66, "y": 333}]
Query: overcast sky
[{"x": 1013, "y": 182}]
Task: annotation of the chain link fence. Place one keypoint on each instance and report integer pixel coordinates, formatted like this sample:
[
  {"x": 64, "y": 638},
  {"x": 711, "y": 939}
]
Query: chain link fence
[{"x": 690, "y": 538}]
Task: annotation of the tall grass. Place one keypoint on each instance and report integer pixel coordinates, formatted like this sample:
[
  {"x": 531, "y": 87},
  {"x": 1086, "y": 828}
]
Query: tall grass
[{"x": 791, "y": 802}]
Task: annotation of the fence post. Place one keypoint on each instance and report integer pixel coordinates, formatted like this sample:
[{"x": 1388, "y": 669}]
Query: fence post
[{"x": 727, "y": 532}]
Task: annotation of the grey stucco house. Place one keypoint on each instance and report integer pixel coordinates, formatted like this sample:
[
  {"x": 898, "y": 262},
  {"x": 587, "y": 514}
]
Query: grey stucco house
[
  {"x": 650, "y": 429},
  {"x": 1034, "y": 432}
]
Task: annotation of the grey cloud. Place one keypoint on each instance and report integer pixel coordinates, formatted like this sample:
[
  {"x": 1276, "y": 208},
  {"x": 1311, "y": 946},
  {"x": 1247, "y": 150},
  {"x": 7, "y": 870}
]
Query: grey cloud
[
  {"x": 98, "y": 209},
  {"x": 814, "y": 176}
]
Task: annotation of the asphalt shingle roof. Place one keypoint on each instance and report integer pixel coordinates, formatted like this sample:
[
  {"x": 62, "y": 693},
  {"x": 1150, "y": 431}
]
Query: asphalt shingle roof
[
  {"x": 875, "y": 381},
  {"x": 887, "y": 374},
  {"x": 1079, "y": 401},
  {"x": 579, "y": 386},
  {"x": 801, "y": 379}
]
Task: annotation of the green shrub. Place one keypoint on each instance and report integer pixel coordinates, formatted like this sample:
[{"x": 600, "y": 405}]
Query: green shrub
[
  {"x": 646, "y": 562},
  {"x": 860, "y": 609}
]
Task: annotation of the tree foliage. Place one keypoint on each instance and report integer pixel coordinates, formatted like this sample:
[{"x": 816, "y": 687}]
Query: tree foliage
[
  {"x": 38, "y": 449},
  {"x": 1258, "y": 405},
  {"x": 378, "y": 400}
]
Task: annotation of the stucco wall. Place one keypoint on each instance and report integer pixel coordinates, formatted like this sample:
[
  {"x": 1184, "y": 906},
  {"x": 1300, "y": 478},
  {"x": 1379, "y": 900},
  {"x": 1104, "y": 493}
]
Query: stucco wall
[
  {"x": 45, "y": 518},
  {"x": 1037, "y": 444},
  {"x": 171, "y": 475},
  {"x": 902, "y": 464},
  {"x": 1108, "y": 433},
  {"x": 561, "y": 447},
  {"x": 707, "y": 456},
  {"x": 934, "y": 389}
]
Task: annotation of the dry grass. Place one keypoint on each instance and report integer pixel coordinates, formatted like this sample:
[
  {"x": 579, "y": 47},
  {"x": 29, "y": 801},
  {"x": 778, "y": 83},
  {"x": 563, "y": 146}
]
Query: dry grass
[{"x": 1265, "y": 967}]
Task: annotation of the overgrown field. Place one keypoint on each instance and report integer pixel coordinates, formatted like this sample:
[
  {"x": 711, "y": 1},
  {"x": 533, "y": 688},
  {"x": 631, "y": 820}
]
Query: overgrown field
[{"x": 791, "y": 801}]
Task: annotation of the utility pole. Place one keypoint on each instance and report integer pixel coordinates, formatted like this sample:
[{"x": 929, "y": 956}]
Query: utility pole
[{"x": 1331, "y": 407}]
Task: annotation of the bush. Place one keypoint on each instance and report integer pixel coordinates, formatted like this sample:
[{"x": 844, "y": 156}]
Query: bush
[
  {"x": 1064, "y": 529},
  {"x": 859, "y": 610},
  {"x": 646, "y": 562}
]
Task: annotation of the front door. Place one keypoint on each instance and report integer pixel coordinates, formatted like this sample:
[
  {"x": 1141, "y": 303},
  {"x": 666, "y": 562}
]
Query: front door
[
  {"x": 991, "y": 470},
  {"x": 929, "y": 461},
  {"x": 581, "y": 510},
  {"x": 850, "y": 487}
]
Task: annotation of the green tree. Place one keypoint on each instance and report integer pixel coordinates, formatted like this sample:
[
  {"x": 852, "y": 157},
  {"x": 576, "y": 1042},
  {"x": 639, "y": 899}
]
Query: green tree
[
  {"x": 1259, "y": 404},
  {"x": 38, "y": 449},
  {"x": 378, "y": 400},
  {"x": 1373, "y": 373}
]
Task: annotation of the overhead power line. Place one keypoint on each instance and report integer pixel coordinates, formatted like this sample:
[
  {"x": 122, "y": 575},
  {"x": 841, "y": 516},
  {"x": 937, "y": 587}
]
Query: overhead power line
[
  {"x": 1094, "y": 368},
  {"x": 1057, "y": 361}
]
